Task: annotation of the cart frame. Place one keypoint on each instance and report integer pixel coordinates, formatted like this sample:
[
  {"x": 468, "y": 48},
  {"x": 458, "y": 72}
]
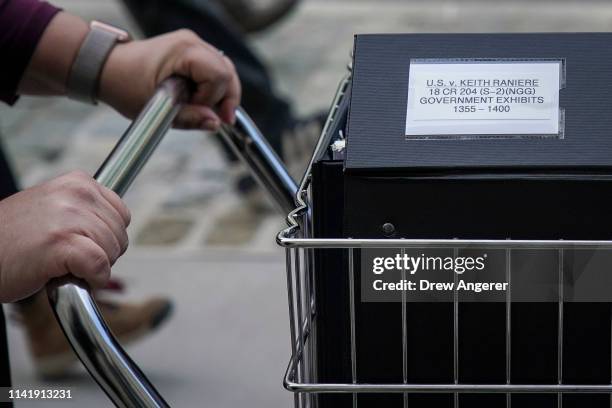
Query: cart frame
[
  {"x": 120, "y": 377},
  {"x": 301, "y": 377}
]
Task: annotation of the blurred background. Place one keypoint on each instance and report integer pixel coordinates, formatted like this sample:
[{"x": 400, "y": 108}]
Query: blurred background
[{"x": 193, "y": 237}]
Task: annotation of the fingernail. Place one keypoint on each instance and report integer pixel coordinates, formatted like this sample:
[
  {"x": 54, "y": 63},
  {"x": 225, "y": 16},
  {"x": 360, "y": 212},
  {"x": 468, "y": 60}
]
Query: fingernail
[{"x": 211, "y": 124}]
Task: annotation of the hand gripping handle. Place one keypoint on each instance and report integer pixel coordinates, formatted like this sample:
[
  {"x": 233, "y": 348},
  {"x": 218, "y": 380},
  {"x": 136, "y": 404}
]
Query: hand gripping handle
[{"x": 70, "y": 298}]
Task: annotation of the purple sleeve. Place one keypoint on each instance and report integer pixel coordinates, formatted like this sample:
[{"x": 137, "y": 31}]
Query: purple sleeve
[{"x": 22, "y": 23}]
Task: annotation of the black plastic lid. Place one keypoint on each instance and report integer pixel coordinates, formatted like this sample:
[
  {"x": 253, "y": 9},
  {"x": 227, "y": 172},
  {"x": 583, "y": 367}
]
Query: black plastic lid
[{"x": 377, "y": 115}]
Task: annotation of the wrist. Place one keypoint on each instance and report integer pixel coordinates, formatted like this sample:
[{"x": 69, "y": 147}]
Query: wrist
[
  {"x": 130, "y": 76},
  {"x": 119, "y": 75},
  {"x": 111, "y": 77}
]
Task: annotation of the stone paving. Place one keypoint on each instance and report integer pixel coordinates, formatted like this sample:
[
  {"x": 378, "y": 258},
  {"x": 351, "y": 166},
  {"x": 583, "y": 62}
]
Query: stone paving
[{"x": 192, "y": 237}]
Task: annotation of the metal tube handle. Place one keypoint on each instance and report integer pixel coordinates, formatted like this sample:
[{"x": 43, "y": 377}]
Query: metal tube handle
[
  {"x": 73, "y": 305},
  {"x": 247, "y": 142},
  {"x": 75, "y": 309}
]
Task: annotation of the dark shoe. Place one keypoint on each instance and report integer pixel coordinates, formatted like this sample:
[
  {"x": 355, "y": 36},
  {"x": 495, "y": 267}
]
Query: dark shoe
[
  {"x": 249, "y": 190},
  {"x": 299, "y": 141}
]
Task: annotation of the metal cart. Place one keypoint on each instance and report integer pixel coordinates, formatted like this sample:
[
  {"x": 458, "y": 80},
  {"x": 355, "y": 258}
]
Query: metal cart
[{"x": 127, "y": 386}]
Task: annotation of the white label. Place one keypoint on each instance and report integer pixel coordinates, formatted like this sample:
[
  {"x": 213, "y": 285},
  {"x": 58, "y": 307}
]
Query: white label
[{"x": 483, "y": 98}]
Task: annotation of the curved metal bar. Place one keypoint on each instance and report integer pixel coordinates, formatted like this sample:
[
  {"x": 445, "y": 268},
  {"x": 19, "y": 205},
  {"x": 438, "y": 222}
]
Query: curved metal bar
[
  {"x": 285, "y": 242},
  {"x": 142, "y": 137},
  {"x": 290, "y": 384},
  {"x": 73, "y": 305},
  {"x": 301, "y": 197},
  {"x": 249, "y": 144},
  {"x": 107, "y": 362}
]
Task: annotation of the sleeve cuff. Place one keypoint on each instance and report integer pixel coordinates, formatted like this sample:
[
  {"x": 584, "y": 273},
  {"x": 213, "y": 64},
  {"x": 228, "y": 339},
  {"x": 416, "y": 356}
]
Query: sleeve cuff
[{"x": 23, "y": 22}]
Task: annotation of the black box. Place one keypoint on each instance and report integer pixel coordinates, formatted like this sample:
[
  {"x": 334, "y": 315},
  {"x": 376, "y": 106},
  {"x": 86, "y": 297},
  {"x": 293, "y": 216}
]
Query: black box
[{"x": 545, "y": 186}]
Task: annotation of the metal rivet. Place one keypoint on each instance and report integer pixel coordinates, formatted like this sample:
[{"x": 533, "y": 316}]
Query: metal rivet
[{"x": 388, "y": 229}]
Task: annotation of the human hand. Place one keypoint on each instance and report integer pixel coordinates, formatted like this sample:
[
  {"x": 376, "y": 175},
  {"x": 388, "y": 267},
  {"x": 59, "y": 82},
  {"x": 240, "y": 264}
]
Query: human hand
[
  {"x": 68, "y": 225},
  {"x": 134, "y": 69}
]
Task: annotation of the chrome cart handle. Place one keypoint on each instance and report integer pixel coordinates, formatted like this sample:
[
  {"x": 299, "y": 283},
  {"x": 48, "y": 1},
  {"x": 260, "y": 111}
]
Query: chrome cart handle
[
  {"x": 75, "y": 309},
  {"x": 247, "y": 143},
  {"x": 70, "y": 299}
]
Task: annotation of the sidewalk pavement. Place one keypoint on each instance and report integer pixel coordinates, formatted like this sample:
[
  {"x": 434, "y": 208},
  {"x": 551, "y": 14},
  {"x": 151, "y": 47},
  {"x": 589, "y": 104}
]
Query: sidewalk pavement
[
  {"x": 226, "y": 345},
  {"x": 192, "y": 237}
]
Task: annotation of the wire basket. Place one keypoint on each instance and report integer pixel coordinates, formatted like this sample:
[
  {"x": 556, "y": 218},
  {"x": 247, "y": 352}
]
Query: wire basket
[{"x": 300, "y": 246}]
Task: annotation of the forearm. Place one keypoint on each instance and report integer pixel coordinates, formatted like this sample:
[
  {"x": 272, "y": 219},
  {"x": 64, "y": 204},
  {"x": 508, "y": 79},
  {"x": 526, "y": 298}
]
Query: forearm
[
  {"x": 132, "y": 71},
  {"x": 50, "y": 65}
]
